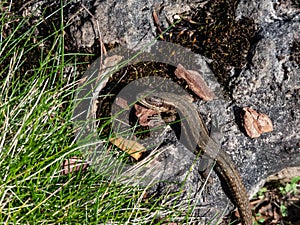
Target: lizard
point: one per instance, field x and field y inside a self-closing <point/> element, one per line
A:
<point x="195" y="137"/>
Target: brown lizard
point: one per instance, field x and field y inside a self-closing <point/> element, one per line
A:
<point x="195" y="137"/>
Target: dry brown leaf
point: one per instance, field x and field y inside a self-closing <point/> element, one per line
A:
<point x="122" y="103"/>
<point x="256" y="123"/>
<point x="74" y="164"/>
<point x="196" y="82"/>
<point x="143" y="114"/>
<point x="133" y="148"/>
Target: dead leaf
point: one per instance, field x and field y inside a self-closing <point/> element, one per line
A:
<point x="256" y="123"/>
<point x="143" y="114"/>
<point x="74" y="164"/>
<point x="196" y="82"/>
<point x="122" y="103"/>
<point x="133" y="148"/>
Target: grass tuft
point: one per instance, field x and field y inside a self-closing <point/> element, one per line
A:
<point x="37" y="135"/>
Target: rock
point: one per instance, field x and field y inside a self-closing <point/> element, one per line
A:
<point x="269" y="82"/>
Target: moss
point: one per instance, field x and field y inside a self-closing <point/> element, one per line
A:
<point x="214" y="32"/>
